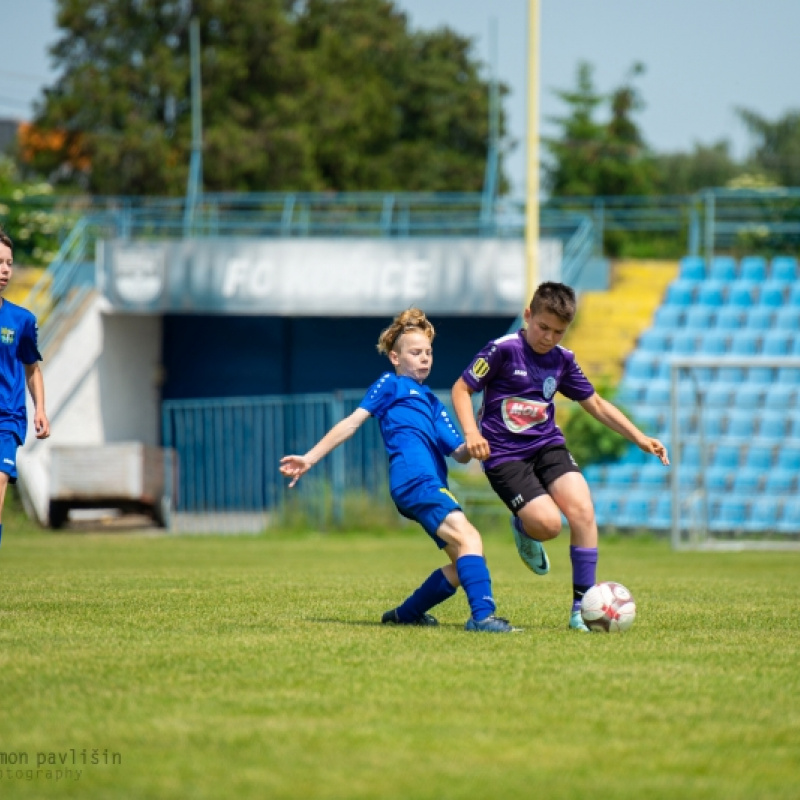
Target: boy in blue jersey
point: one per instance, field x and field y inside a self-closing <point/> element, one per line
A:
<point x="418" y="434"/>
<point x="523" y="451"/>
<point x="19" y="357"/>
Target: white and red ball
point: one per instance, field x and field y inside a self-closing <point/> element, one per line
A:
<point x="608" y="607"/>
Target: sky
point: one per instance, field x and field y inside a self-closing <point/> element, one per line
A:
<point x="703" y="59"/>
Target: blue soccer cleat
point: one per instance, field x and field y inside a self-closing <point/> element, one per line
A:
<point x="576" y="622"/>
<point x="491" y="624"/>
<point x="425" y="621"/>
<point x="530" y="551"/>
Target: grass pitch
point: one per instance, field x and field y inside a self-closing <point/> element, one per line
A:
<point x="255" y="667"/>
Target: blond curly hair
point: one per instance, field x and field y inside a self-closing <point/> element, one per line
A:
<point x="412" y="319"/>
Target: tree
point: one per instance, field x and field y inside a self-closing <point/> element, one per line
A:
<point x="777" y="148"/>
<point x="599" y="158"/>
<point x="297" y="95"/>
<point x="703" y="167"/>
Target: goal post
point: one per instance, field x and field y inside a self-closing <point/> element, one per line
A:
<point x="711" y="507"/>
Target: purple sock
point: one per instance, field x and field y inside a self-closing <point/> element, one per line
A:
<point x="584" y="572"/>
<point x="435" y="589"/>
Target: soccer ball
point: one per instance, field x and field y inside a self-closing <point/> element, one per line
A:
<point x="608" y="607"/>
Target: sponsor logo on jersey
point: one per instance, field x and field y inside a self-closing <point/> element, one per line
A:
<point x="7" y="335"/>
<point x="521" y="372"/>
<point x="519" y="413"/>
<point x="479" y="369"/>
<point x="550" y="386"/>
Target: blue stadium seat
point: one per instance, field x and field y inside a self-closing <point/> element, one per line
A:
<point x="693" y="268"/>
<point x="606" y="506"/>
<point x="727" y="455"/>
<point x="656" y="393"/>
<point x="681" y="293"/>
<point x="753" y="268"/>
<point x="621" y="476"/>
<point x="713" y="343"/>
<point x="773" y="293"/>
<point x="639" y="366"/>
<point x="743" y="294"/>
<point x="794" y="295"/>
<point x="723" y="268"/>
<point x="654" y="340"/>
<point x="742" y="423"/>
<point x="712" y="423"/>
<point x="794" y="346"/>
<point x="718" y="395"/>
<point x="794" y="425"/>
<point x="718" y="479"/>
<point x="634" y="456"/>
<point x="747" y="481"/>
<point x="759" y="456"/>
<point x="648" y="419"/>
<point x="730" y="318"/>
<point x="711" y="293"/>
<point x="763" y="515"/>
<point x="759" y="375"/>
<point x="701" y="317"/>
<point x="729" y="514"/>
<point x="772" y="424"/>
<point x="688" y="477"/>
<point x="780" y="481"/>
<point x="629" y="394"/>
<point x="780" y="396"/>
<point x="759" y="318"/>
<point x="691" y="455"/>
<point x="730" y="375"/>
<point x="789" y="457"/>
<point x="669" y="317"/>
<point x="745" y="342"/>
<point x="748" y="395"/>
<point x="653" y="475"/>
<point x="661" y="516"/>
<point x="784" y="268"/>
<point x="684" y="343"/>
<point x="788" y="376"/>
<point x="775" y="343"/>
<point x="635" y="511"/>
<point x="789" y="520"/>
<point x="787" y="318"/>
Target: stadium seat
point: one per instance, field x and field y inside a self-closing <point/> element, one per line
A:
<point x="742" y="423"/>
<point x="743" y="294"/>
<point x="729" y="514"/>
<point x="669" y="317"/>
<point x="712" y="424"/>
<point x="595" y="474"/>
<point x="681" y="293"/>
<point x="699" y="317"/>
<point x="773" y="293"/>
<point x="772" y="424"/>
<point x="759" y="318"/>
<point x="711" y="293"/>
<point x="684" y="343"/>
<point x="639" y="366"/>
<point x="654" y="340"/>
<point x="723" y="268"/>
<point x="657" y="393"/>
<point x="748" y="395"/>
<point x="730" y="375"/>
<point x="726" y="455"/>
<point x="745" y="342"/>
<point x="634" y="456"/>
<point x="759" y="457"/>
<point x="746" y="481"/>
<point x="606" y="506"/>
<point x="759" y="375"/>
<point x="713" y="343"/>
<point x="693" y="268"/>
<point x="794" y="346"/>
<point x="784" y="268"/>
<point x="780" y="396"/>
<point x="691" y="456"/>
<point x="653" y="475"/>
<point x="635" y="511"/>
<point x="789" y="457"/>
<point x="753" y="268"/>
<point x="621" y="476"/>
<point x="794" y="426"/>
<point x="629" y="394"/>
<point x="788" y="376"/>
<point x="762" y="515"/>
<point x="729" y="318"/>
<point x="717" y="479"/>
<point x="661" y="516"/>
<point x="794" y="295"/>
<point x="780" y="481"/>
<point x="718" y="395"/>
<point x="648" y="419"/>
<point x="775" y="343"/>
<point x="787" y="318"/>
<point x="789" y="520"/>
<point x="688" y="477"/>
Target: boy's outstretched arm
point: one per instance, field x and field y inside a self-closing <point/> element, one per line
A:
<point x="296" y="466"/>
<point x="613" y="418"/>
<point x="477" y="446"/>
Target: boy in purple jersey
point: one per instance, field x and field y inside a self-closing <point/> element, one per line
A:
<point x="19" y="357"/>
<point x="418" y="434"/>
<point x="523" y="451"/>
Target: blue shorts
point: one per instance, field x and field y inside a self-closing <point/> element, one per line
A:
<point x="427" y="502"/>
<point x="8" y="454"/>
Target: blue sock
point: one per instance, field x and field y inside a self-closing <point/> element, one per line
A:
<point x="435" y="590"/>
<point x="584" y="572"/>
<point x="474" y="576"/>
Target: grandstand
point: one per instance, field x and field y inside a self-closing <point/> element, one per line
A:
<point x="738" y="411"/>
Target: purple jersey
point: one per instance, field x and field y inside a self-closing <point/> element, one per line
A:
<point x="517" y="416"/>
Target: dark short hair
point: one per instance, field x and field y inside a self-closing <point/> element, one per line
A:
<point x="555" y="298"/>
<point x="6" y="240"/>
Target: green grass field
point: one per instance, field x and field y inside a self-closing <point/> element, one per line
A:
<point x="254" y="667"/>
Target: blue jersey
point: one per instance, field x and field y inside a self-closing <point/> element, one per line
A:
<point x="18" y="346"/>
<point x="416" y="428"/>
